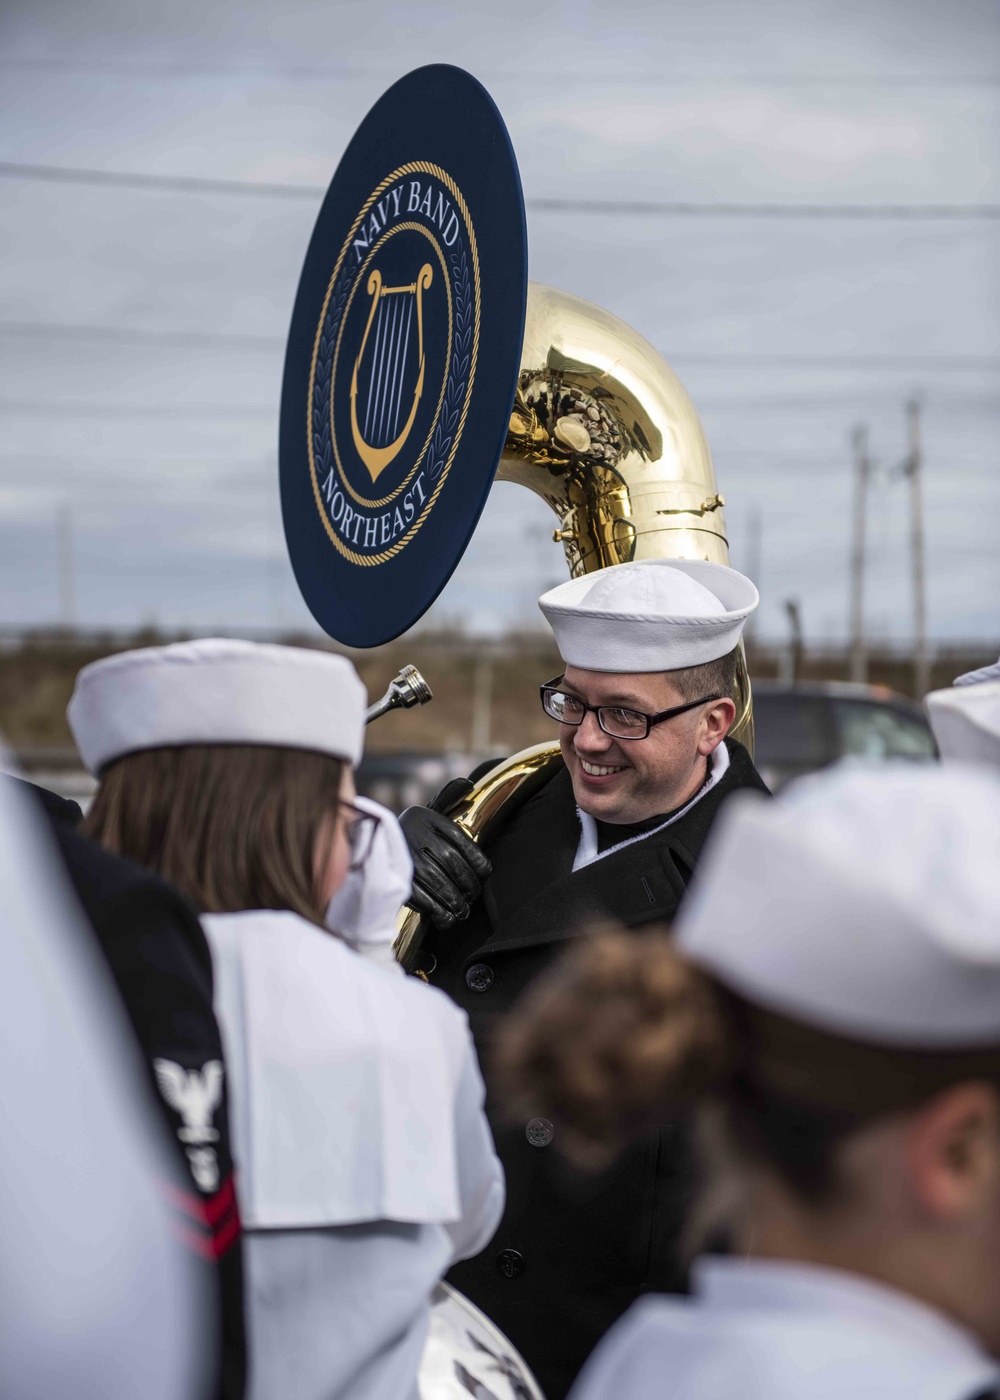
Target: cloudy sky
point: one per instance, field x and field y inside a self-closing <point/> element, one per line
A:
<point x="142" y="323"/>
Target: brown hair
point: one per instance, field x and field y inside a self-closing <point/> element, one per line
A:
<point x="618" y="1034"/>
<point x="232" y="826"/>
<point x="711" y="678"/>
<point x="624" y="1033"/>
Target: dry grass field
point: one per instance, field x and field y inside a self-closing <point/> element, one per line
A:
<point x="485" y="697"/>
<point x="37" y="675"/>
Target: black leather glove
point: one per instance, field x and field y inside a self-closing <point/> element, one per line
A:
<point x="448" y="867"/>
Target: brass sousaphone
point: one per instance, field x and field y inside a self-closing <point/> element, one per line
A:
<point x="404" y="397"/>
<point x="603" y="430"/>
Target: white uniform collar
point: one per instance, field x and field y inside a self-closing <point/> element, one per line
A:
<point x="587" y="852"/>
<point x="344" y="1078"/>
<point x="778" y="1286"/>
<point x="772" y="1330"/>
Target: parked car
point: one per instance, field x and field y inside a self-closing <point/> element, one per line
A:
<point x="800" y="728"/>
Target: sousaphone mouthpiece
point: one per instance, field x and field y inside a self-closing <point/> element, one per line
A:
<point x="405" y="690"/>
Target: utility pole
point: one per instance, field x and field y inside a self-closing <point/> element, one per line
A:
<point x="482" y="703"/>
<point x="792" y="669"/>
<point x="66" y="570"/>
<point x="862" y="474"/>
<point x="754" y="557"/>
<point x="912" y="468"/>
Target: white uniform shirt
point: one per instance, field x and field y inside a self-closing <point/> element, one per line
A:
<point x="763" y="1329"/>
<point x="365" y="1162"/>
<point x="98" y="1300"/>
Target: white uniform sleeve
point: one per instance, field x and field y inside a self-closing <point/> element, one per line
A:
<point x="480" y="1176"/>
<point x="97" y="1300"/>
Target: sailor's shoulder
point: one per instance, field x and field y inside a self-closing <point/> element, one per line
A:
<point x="763" y="1353"/>
<point x="533" y="824"/>
<point x="741" y="772"/>
<point x="732" y="1356"/>
<point x="642" y="1347"/>
<point x="299" y="954"/>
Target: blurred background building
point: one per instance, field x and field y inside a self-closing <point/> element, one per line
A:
<point x="797" y="203"/>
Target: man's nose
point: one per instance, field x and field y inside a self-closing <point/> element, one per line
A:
<point x="590" y="737"/>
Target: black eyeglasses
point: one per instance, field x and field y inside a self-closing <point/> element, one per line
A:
<point x="616" y="720"/>
<point x="360" y="828"/>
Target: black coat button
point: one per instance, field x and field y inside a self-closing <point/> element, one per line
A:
<point x="510" y="1263"/>
<point x="479" y="977"/>
<point x="539" y="1132"/>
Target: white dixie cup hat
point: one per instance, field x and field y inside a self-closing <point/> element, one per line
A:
<point x="984" y="673"/>
<point x="861" y="902"/>
<point x="649" y="615"/>
<point x="966" y="721"/>
<point x="365" y="908"/>
<point x="218" y="691"/>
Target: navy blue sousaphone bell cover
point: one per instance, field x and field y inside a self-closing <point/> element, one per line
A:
<point x="402" y="356"/>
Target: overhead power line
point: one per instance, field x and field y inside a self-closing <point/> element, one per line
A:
<point x="168" y="461"/>
<point x="567" y="74"/>
<point x="139" y="180"/>
<point x="263" y="476"/>
<point x="846" y="360"/>
<point x="141" y="335"/>
<point x="198" y="184"/>
<point x="732" y="210"/>
<point x="179" y="412"/>
<point x="193" y="339"/>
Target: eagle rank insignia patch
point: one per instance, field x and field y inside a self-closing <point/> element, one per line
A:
<point x="402" y="356"/>
<point x="195" y="1095"/>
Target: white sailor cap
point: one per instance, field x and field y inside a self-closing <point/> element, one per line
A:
<point x="862" y="902"/>
<point x="966" y="721"/>
<point x="217" y="691"/>
<point x="984" y="673"/>
<point x="649" y="615"/>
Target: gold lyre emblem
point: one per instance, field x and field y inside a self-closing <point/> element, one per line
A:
<point x="391" y="315"/>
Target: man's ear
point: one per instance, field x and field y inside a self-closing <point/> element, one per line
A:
<point x="716" y="723"/>
<point x="952" y="1149"/>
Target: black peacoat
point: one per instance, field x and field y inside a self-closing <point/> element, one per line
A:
<point x="572" y="1251"/>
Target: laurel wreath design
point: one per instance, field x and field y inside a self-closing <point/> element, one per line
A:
<point x="458" y="370"/>
<point x="322" y="443"/>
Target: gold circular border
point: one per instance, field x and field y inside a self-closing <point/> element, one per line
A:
<point x="400" y="228"/>
<point x="412" y="168"/>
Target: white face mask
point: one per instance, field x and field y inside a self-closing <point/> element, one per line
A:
<point x="364" y="910"/>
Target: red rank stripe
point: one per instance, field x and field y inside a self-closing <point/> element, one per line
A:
<point x="219" y="1215"/>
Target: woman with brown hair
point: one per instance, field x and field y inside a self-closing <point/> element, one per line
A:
<point x="365" y="1163"/>
<point x="830" y="1006"/>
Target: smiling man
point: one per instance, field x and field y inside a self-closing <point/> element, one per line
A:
<point x="612" y="780"/>
<point x="643" y="705"/>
